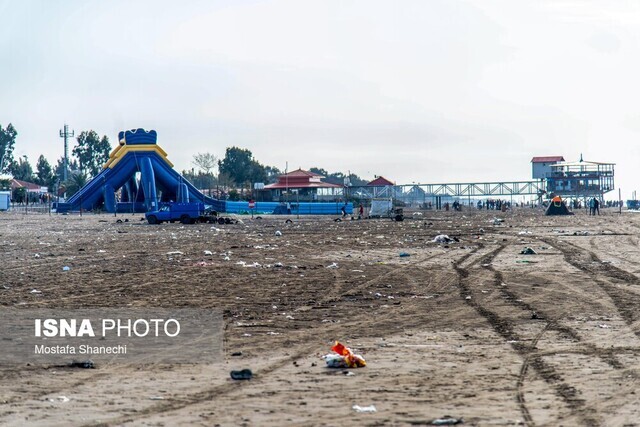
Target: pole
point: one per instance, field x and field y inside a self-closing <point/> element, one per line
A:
<point x="620" y="200"/>
<point x="64" y="133"/>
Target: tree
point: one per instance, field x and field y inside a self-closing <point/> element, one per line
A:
<point x="272" y="174"/>
<point x="206" y="162"/>
<point x="44" y="174"/>
<point x="22" y="170"/>
<point x="59" y="169"/>
<point x="91" y="152"/>
<point x="7" y="142"/>
<point x="237" y="164"/>
<point x="76" y="181"/>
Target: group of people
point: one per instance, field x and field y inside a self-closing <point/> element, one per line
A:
<point x="360" y="211"/>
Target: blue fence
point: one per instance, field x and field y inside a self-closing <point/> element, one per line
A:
<point x="319" y="208"/>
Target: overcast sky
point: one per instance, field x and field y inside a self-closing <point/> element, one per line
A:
<point x="418" y="91"/>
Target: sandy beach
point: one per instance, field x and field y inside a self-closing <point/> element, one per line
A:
<point x="471" y="329"/>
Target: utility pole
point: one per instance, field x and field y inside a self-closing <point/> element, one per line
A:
<point x="64" y="133"/>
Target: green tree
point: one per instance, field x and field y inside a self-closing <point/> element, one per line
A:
<point x="76" y="181"/>
<point x="22" y="169"/>
<point x="272" y="174"/>
<point x="237" y="165"/>
<point x="92" y="152"/>
<point x="44" y="173"/>
<point x="7" y="142"/>
<point x="59" y="169"/>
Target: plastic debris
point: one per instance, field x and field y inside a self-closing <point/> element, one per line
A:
<point x="333" y="265"/>
<point x="528" y="251"/>
<point x="359" y="408"/>
<point x="35" y="291"/>
<point x="244" y="374"/>
<point x="175" y="253"/>
<point x="61" y="399"/>
<point x="342" y="357"/>
<point x="66" y="268"/>
<point x="443" y="238"/>
<point x="156" y="398"/>
<point x="278" y="233"/>
<point x="84" y="364"/>
<point x="208" y="253"/>
<point x="404" y="254"/>
<point x="447" y="421"/>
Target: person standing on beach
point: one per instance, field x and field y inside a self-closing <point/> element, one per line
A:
<point x="596" y="206"/>
<point x="592" y="206"/>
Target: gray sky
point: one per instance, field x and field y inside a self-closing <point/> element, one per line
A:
<point x="418" y="91"/>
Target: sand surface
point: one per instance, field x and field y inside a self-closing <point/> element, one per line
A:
<point x="471" y="329"/>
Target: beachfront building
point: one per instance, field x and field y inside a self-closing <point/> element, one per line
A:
<point x="304" y="186"/>
<point x="541" y="167"/>
<point x="581" y="179"/>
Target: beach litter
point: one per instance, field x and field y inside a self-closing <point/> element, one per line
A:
<point x="343" y="357"/>
<point x="443" y="238"/>
<point x="66" y="268"/>
<point x="528" y="251"/>
<point x="244" y="374"/>
<point x="365" y="409"/>
<point x="404" y="255"/>
<point x="447" y="421"/>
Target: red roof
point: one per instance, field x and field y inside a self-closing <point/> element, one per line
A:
<point x="30" y="186"/>
<point x="300" y="179"/>
<point x="380" y="181"/>
<point x="278" y="185"/>
<point x="547" y="159"/>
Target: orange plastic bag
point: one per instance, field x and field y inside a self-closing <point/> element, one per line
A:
<point x="350" y="360"/>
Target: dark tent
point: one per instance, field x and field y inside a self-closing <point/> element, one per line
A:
<point x="557" y="207"/>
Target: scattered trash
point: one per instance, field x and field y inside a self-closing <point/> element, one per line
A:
<point x="468" y="297"/>
<point x="359" y="408"/>
<point x="581" y="233"/>
<point x="333" y="265"/>
<point x="278" y="233"/>
<point x="208" y="253"/>
<point x="156" y="398"/>
<point x="37" y="255"/>
<point x="524" y="232"/>
<point x="526" y="261"/>
<point x="288" y="221"/>
<point x="66" y="268"/>
<point x="528" y="251"/>
<point x="344" y="358"/>
<point x="84" y="364"/>
<point x="404" y="254"/>
<point x="244" y="374"/>
<point x="447" y="421"/>
<point x="603" y="326"/>
<point x="534" y="315"/>
<point x="35" y="291"/>
<point x="348" y="373"/>
<point x="61" y="399"/>
<point x="236" y="353"/>
<point x="174" y="253"/>
<point x="443" y="238"/>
